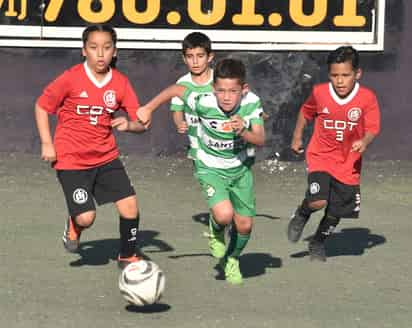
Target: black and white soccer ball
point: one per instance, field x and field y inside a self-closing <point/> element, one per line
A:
<point x="142" y="283"/>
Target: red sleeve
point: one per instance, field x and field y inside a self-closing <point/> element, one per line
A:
<point x="130" y="102"/>
<point x="309" y="107"/>
<point x="372" y="116"/>
<point x="54" y="94"/>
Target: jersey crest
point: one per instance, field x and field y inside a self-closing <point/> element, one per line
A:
<point x="109" y="98"/>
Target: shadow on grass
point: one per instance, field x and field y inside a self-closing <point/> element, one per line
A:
<point x="101" y="252"/>
<point x="253" y="265"/>
<point x="349" y="241"/>
<point x="154" y="308"/>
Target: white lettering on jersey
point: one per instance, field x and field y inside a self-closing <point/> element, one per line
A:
<point x="339" y="126"/>
<point x="93" y="111"/>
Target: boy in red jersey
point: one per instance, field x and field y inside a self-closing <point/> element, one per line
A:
<point x="84" y="151"/>
<point x="346" y="120"/>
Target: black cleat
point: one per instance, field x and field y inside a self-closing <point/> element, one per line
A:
<point x="295" y="227"/>
<point x="317" y="251"/>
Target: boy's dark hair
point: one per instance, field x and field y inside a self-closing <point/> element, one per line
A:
<point x="101" y="28"/>
<point x="230" y="68"/>
<point x="196" y="40"/>
<point x="344" y="54"/>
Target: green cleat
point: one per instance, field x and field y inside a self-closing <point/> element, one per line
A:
<point x="232" y="270"/>
<point x="217" y="245"/>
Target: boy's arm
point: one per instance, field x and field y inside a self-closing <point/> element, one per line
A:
<point x="48" y="153"/>
<point x="361" y="145"/>
<point x="372" y="126"/>
<point x="297" y="145"/>
<point x="180" y="123"/>
<point x="121" y="123"/>
<point x="144" y="113"/>
<point x="256" y="134"/>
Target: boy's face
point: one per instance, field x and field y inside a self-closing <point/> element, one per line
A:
<point x="343" y="77"/>
<point x="99" y="51"/>
<point x="197" y="60"/>
<point x="229" y="93"/>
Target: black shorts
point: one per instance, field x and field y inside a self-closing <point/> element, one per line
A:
<point x="343" y="200"/>
<point x="105" y="184"/>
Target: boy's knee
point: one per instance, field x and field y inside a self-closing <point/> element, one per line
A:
<point x="318" y="204"/>
<point x="128" y="207"/>
<point x="223" y="216"/>
<point x="85" y="219"/>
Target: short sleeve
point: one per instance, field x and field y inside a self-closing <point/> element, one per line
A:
<point x="190" y="98"/>
<point x="54" y="94"/>
<point x="176" y="105"/>
<point x="309" y="107"/>
<point x="372" y="116"/>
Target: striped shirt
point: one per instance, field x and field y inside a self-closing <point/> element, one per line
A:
<point x="178" y="105"/>
<point x="218" y="145"/>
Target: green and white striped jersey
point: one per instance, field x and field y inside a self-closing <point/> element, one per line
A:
<point x="191" y="117"/>
<point x="219" y="147"/>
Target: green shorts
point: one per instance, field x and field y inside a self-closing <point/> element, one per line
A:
<point x="239" y="191"/>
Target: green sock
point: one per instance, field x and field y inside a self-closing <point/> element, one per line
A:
<point x="237" y="243"/>
<point x="215" y="226"/>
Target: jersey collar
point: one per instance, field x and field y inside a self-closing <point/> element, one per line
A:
<point x="348" y="98"/>
<point x="99" y="84"/>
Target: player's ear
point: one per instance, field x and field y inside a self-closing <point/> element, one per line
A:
<point x="210" y="57"/>
<point x="83" y="52"/>
<point x="358" y="74"/>
<point x="245" y="89"/>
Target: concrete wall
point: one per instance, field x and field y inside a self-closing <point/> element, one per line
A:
<point x="282" y="79"/>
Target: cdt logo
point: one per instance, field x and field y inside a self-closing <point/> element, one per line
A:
<point x="109" y="98"/>
<point x="80" y="196"/>
<point x="314" y="188"/>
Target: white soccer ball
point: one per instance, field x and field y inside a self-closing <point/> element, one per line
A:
<point x="142" y="283"/>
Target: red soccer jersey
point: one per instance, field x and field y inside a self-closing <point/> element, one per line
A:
<point x="338" y="123"/>
<point x="84" y="106"/>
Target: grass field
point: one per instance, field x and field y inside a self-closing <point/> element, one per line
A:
<point x="365" y="282"/>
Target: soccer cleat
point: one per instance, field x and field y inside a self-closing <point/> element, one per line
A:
<point x="295" y="227"/>
<point x="217" y="245"/>
<point x="317" y="251"/>
<point x="123" y="262"/>
<point x="232" y="271"/>
<point x="71" y="236"/>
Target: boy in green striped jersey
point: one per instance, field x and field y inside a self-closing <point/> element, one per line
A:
<point x="197" y="55"/>
<point x="230" y="126"/>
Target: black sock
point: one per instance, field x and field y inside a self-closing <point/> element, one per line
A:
<point x="128" y="236"/>
<point x="305" y="210"/>
<point x="326" y="227"/>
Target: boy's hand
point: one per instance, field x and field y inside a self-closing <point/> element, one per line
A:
<point x="182" y="127"/>
<point x="359" y="146"/>
<point x="238" y="124"/>
<point x="120" y="123"/>
<point x="48" y="153"/>
<point x="297" y="145"/>
<point x="144" y="115"/>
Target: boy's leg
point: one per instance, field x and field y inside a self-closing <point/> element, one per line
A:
<point x="215" y="190"/>
<point x="243" y="199"/>
<point x="237" y="243"/>
<point x="344" y="202"/>
<point x="216" y="236"/>
<point x="76" y="185"/>
<point x="315" y="199"/>
<point x="128" y="229"/>
<point x="326" y="227"/>
<point x="113" y="186"/>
